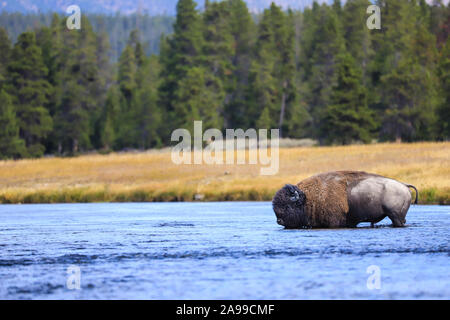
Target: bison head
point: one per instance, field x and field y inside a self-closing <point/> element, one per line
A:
<point x="288" y="205"/>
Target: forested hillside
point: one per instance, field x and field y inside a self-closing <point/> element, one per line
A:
<point x="152" y="7"/>
<point x="116" y="27"/>
<point x="318" y="73"/>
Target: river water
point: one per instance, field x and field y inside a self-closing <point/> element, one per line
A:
<point x="222" y="250"/>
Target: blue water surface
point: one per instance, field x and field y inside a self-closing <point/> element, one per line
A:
<point x="221" y="250"/>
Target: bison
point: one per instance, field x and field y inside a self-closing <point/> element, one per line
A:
<point x="342" y="199"/>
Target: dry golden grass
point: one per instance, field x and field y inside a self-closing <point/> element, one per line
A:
<point x="151" y="176"/>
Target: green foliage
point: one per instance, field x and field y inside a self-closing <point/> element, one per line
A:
<point x="28" y="86"/>
<point x="348" y="119"/>
<point x="179" y="55"/>
<point x="242" y="29"/>
<point x="195" y="102"/>
<point x="117" y="27"/>
<point x="134" y="111"/>
<point x="407" y="94"/>
<point x="264" y="121"/>
<point x="149" y="114"/>
<point x="218" y="50"/>
<point x="357" y="36"/>
<point x="323" y="41"/>
<point x="320" y="73"/>
<point x="127" y="72"/>
<point x="272" y="70"/>
<point x="11" y="146"/>
<point x="443" y="111"/>
<point x="5" y="52"/>
<point x="78" y="107"/>
<point x="110" y="115"/>
<point x="405" y="80"/>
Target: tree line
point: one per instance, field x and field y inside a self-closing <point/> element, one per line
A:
<point x="117" y="27"/>
<point x="318" y="73"/>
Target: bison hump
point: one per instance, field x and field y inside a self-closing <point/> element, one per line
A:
<point x="326" y="199"/>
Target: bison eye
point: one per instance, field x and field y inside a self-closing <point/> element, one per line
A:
<point x="295" y="197"/>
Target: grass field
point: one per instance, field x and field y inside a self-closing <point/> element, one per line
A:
<point x="151" y="176"/>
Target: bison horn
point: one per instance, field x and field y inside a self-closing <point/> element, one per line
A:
<point x="294" y="193"/>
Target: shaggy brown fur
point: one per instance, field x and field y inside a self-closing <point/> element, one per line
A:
<point x="326" y="194"/>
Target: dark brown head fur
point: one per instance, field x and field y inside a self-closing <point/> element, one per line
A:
<point x="288" y="205"/>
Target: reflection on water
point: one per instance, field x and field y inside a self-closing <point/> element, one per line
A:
<point x="215" y="251"/>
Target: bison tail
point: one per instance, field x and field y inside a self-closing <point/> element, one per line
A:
<point x="417" y="192"/>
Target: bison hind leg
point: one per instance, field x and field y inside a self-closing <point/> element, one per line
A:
<point x="396" y="222"/>
<point x="397" y="217"/>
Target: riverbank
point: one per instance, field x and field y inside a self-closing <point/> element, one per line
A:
<point x="151" y="176"/>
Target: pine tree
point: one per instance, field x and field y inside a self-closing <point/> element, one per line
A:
<point x="110" y="115"/>
<point x="104" y="81"/>
<point x="299" y="120"/>
<point x="347" y="119"/>
<point x="439" y="17"/>
<point x="5" y="52"/>
<point x="11" y="146"/>
<point x="322" y="43"/>
<point x="108" y="133"/>
<point x="138" y="80"/>
<point x="272" y="71"/>
<point x="218" y="51"/>
<point x="337" y="6"/>
<point x="286" y="76"/>
<point x="149" y="113"/>
<point x="81" y="99"/>
<point x="443" y="112"/>
<point x="264" y="121"/>
<point x="406" y="83"/>
<point x="29" y="89"/>
<point x="242" y="28"/>
<point x="126" y="129"/>
<point x="135" y="43"/>
<point x="262" y="91"/>
<point x="50" y="47"/>
<point x="5" y="47"/>
<point x="356" y="34"/>
<point x="180" y="53"/>
<point x="423" y="43"/>
<point x="408" y="115"/>
<point x="50" y="41"/>
<point x="127" y="73"/>
<point x="196" y="102"/>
